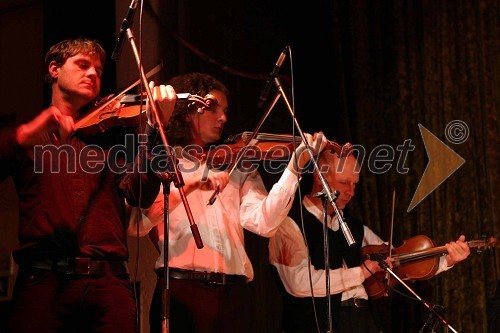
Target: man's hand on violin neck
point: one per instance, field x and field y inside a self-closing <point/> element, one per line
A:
<point x="165" y="98"/>
<point x="457" y="251"/>
<point x="50" y="126"/>
<point x="302" y="156"/>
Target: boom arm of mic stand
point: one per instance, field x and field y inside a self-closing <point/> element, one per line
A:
<point x="178" y="177"/>
<point x="328" y="192"/>
<point x="385" y="266"/>
<point x="213" y="197"/>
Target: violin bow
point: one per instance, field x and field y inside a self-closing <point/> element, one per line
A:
<point x="392" y="221"/>
<point x="388" y="276"/>
<point x="152" y="72"/>
<point x="250" y="141"/>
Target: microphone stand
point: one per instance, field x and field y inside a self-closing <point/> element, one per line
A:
<point x="326" y="188"/>
<point x="385" y="266"/>
<point x="324" y="201"/>
<point x="175" y="176"/>
<point x="431" y="321"/>
<point x="165" y="322"/>
<point x="213" y="197"/>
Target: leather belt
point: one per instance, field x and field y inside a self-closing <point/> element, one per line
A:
<point x="82" y="266"/>
<point x="208" y="277"/>
<point x="357" y="302"/>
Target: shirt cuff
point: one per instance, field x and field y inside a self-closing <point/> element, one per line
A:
<point x="289" y="182"/>
<point x="443" y="265"/>
<point x="353" y="277"/>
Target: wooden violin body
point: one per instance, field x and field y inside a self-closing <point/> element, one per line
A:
<point x="128" y="111"/>
<point x="265" y="146"/>
<point x="408" y="265"/>
<point x="247" y="148"/>
<point x="109" y="115"/>
<point x="237" y="147"/>
<point x="416" y="259"/>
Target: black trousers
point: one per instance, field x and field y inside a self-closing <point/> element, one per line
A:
<point x="493" y="311"/>
<point x="46" y="301"/>
<point x="200" y="307"/>
<point x="349" y="319"/>
<point x="355" y="320"/>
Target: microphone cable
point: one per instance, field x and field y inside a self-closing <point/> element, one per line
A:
<point x="300" y="196"/>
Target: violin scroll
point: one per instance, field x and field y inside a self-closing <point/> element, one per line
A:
<point x="341" y="150"/>
<point x="209" y="102"/>
<point x="484" y="244"/>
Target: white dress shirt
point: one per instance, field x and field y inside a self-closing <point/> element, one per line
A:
<point x="243" y="204"/>
<point x="288" y="253"/>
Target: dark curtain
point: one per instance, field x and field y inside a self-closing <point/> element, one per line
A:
<point x="429" y="63"/>
<point x="379" y="69"/>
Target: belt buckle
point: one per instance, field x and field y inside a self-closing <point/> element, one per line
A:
<point x="218" y="278"/>
<point x="78" y="266"/>
<point x="197" y="276"/>
<point x="356" y="304"/>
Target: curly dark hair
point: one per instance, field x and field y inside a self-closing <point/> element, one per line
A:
<point x="178" y="132"/>
<point x="65" y="49"/>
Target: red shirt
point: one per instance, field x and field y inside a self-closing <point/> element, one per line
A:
<point x="77" y="209"/>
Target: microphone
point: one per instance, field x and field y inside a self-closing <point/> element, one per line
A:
<point x="126" y="23"/>
<point x="272" y="75"/>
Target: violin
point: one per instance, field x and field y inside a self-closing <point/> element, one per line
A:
<point x="264" y="147"/>
<point x="128" y="111"/>
<point x="416" y="259"/>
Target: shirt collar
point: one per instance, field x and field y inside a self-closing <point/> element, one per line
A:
<point x="317" y="212"/>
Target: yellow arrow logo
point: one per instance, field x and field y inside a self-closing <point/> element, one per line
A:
<point x="443" y="162"/>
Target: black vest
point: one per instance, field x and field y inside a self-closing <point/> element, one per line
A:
<point x="298" y="313"/>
